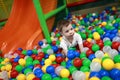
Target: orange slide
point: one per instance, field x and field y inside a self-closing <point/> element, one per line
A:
<point x="23" y="28"/>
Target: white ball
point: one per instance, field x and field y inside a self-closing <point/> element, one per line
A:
<point x="95" y="66"/>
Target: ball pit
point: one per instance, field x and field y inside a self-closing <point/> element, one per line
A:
<point x="100" y="59"/>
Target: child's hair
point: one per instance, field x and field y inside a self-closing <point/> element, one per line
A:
<point x="62" y="23"/>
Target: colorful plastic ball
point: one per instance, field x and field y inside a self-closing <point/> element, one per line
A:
<point x="46" y="77"/>
<point x="114" y="73"/>
<point x="59" y="59"/>
<point x="40" y="43"/>
<point x="29" y="52"/>
<point x="78" y="75"/>
<point x="117" y="66"/>
<point x="91" y="56"/>
<point x="48" y="62"/>
<point x="50" y="69"/>
<point x="6" y="60"/>
<point x="13" y="74"/>
<point x="56" y="78"/>
<point x="103" y="73"/>
<point x="99" y="54"/>
<point x="64" y="73"/>
<point x="70" y="54"/>
<point x="117" y="59"/>
<point x="95" y="74"/>
<point x="77" y="62"/>
<point x="52" y="57"/>
<point x="84" y="69"/>
<point x="96" y="36"/>
<point x="27" y="70"/>
<point x="29" y="59"/>
<point x="21" y="77"/>
<point x="36" y="78"/>
<point x="72" y="69"/>
<point x="86" y="62"/>
<point x="22" y="62"/>
<point x="19" y="68"/>
<point x="39" y="58"/>
<point x="41" y="54"/>
<point x="87" y="75"/>
<point x="95" y="47"/>
<point x="106" y="78"/>
<point x="58" y="69"/>
<point x="95" y="66"/>
<point x="115" y="45"/>
<point x="107" y="43"/>
<point x="8" y="67"/>
<point x="54" y="75"/>
<point x="30" y="76"/>
<point x="55" y="48"/>
<point x="44" y="68"/>
<point x="89" y="52"/>
<point x="108" y="64"/>
<point x="94" y="78"/>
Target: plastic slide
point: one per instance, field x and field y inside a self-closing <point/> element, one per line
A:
<point x="23" y="28"/>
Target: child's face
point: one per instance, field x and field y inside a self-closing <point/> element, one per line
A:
<point x="68" y="31"/>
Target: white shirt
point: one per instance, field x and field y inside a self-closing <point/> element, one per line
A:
<point x="65" y="44"/>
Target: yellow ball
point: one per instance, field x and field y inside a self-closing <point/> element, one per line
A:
<point x="77" y="24"/>
<point x="106" y="55"/>
<point x="22" y="62"/>
<point x="113" y="21"/>
<point x="117" y="65"/>
<point x="94" y="78"/>
<point x="89" y="39"/>
<point x="44" y="68"/>
<point x="64" y="73"/>
<point x="30" y="76"/>
<point x="60" y="38"/>
<point x="48" y="62"/>
<point x="104" y="23"/>
<point x="3" y="68"/>
<point x="6" y="60"/>
<point x="8" y="67"/>
<point x="2" y="62"/>
<point x="52" y="57"/>
<point x="113" y="8"/>
<point x="96" y="36"/>
<point x="52" y="38"/>
<point x="21" y="77"/>
<point x="108" y="64"/>
<point x="96" y="60"/>
<point x="118" y="31"/>
<point x="76" y="29"/>
<point x="87" y="75"/>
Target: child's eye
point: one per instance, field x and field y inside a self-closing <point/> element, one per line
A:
<point x="66" y="31"/>
<point x="71" y="28"/>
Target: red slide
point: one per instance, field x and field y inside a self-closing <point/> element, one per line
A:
<point x="23" y="28"/>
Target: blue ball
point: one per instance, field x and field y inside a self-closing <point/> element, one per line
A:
<point x="46" y="56"/>
<point x="50" y="69"/>
<point x="59" y="54"/>
<point x="20" y="49"/>
<point x="77" y="54"/>
<point x="16" y="59"/>
<point x="55" y="48"/>
<point x="91" y="56"/>
<point x="92" y="74"/>
<point x="104" y="73"/>
<point x="116" y="25"/>
<point x="39" y="75"/>
<point x="30" y="66"/>
<point x="115" y="73"/>
<point x="53" y="75"/>
<point x="42" y="62"/>
<point x="70" y="54"/>
<point x="29" y="52"/>
<point x="37" y="71"/>
<point x="40" y="43"/>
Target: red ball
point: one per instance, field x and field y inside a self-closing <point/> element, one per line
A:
<point x="41" y="54"/>
<point x="13" y="74"/>
<point x="33" y="56"/>
<point x="90" y="45"/>
<point x="70" y="77"/>
<point x="12" y="60"/>
<point x="85" y="43"/>
<point x="36" y="78"/>
<point x="77" y="62"/>
<point x="89" y="52"/>
<point x="101" y="45"/>
<point x="55" y="65"/>
<point x="59" y="59"/>
<point x="14" y="64"/>
<point x="38" y="65"/>
<point x="38" y="58"/>
<point x="115" y="45"/>
<point x="54" y="43"/>
<point x="22" y="55"/>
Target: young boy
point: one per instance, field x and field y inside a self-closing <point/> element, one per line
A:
<point x="69" y="37"/>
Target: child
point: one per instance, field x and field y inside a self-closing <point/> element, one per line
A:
<point x="69" y="37"/>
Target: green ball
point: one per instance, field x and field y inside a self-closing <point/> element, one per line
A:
<point x="29" y="59"/>
<point x="56" y="78"/>
<point x="82" y="55"/>
<point x="84" y="69"/>
<point x="63" y="63"/>
<point x="105" y="58"/>
<point x="117" y="59"/>
<point x="35" y="51"/>
<point x="107" y="43"/>
<point x="24" y="52"/>
<point x="36" y="62"/>
<point x="27" y="70"/>
<point x="18" y="68"/>
<point x="58" y="35"/>
<point x="65" y="79"/>
<point x="83" y="35"/>
<point x="95" y="47"/>
<point x="29" y="63"/>
<point x="106" y="78"/>
<point x="46" y="77"/>
<point x="57" y="42"/>
<point x="86" y="62"/>
<point x="90" y="36"/>
<point x="72" y="69"/>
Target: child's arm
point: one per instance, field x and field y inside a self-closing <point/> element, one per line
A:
<point x="81" y="47"/>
